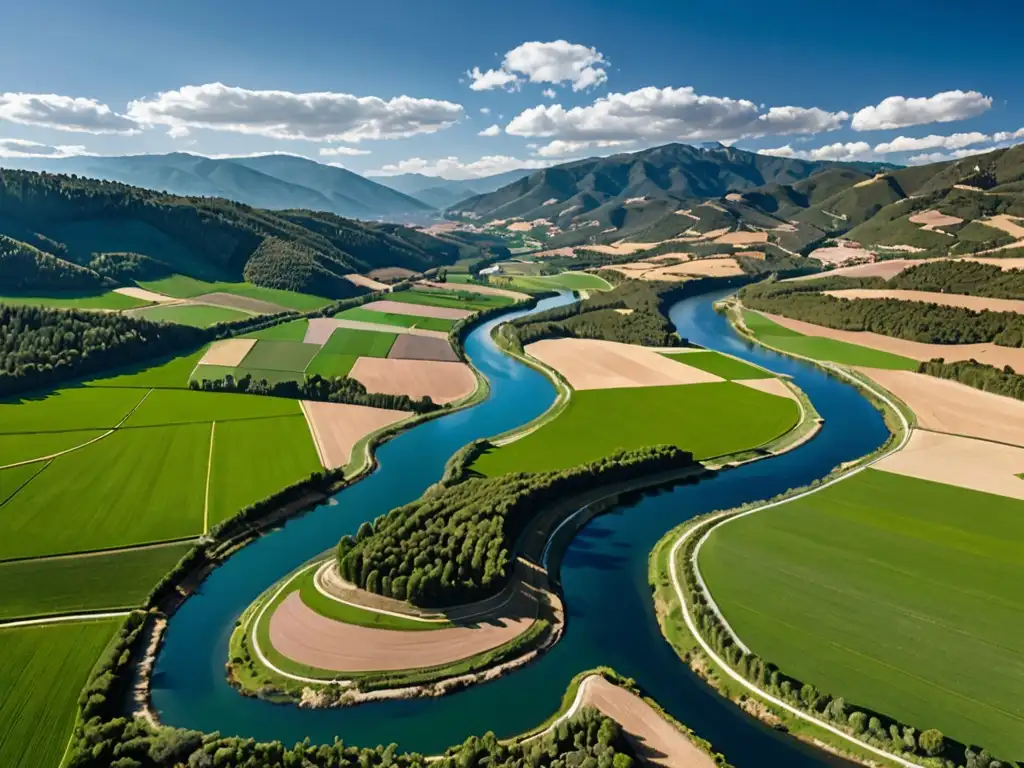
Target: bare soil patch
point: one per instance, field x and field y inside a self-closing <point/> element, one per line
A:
<point x="621" y="249"/>
<point x="932" y="219"/>
<point x="409" y="347"/>
<point x="949" y="406"/>
<point x="229" y="352"/>
<point x="321" y="328"/>
<point x="143" y="295"/>
<point x="1011" y="225"/>
<point x="742" y="238"/>
<point x="960" y="461"/>
<point x="442" y="382"/>
<point x="725" y="267"/>
<point x="769" y="387"/>
<point x="990" y="354"/>
<point x="337" y="427"/>
<point x="839" y="254"/>
<point x="417" y="310"/>
<point x="519" y="226"/>
<point x="1003" y="264"/>
<point x="883" y="269"/>
<point x="567" y="251"/>
<point x="367" y="282"/>
<point x="679" y="256"/>
<point x="974" y="303"/>
<point x="866" y="182"/>
<point x="656" y="740"/>
<point x="390" y="274"/>
<point x="243" y="303"/>
<point x="597" y="364"/>
<point x="485" y="290"/>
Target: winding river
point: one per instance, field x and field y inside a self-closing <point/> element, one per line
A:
<point x="603" y="573"/>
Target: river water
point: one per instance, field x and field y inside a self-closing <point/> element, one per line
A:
<point x="603" y="574"/>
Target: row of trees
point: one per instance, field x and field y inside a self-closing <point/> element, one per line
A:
<point x="915" y="321"/>
<point x="1000" y="381"/>
<point x="454" y="545"/>
<point x="340" y="389"/>
<point x="872" y="727"/>
<point x="963" y="277"/>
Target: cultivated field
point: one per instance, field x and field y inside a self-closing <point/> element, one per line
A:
<point x="230" y="352"/>
<point x="362" y="315"/>
<point x="182" y="287"/>
<point x="884" y="590"/>
<point x="280" y="355"/>
<point x="367" y="282"/>
<point x="345" y="346"/>
<point x="417" y="310"/>
<point x="409" y="347"/>
<point x="566" y="281"/>
<point x="471" y="287"/>
<point x="838" y="255"/>
<point x="442" y="382"/>
<point x="883" y="269"/>
<point x="198" y="315"/>
<point x="338" y="427"/>
<point x="110" y="300"/>
<point x="706" y="419"/>
<point x="42" y="671"/>
<point x="459" y="299"/>
<point x="291" y="331"/>
<point x="717" y="364"/>
<point x="973" y="303"/>
<point x="321" y="328"/>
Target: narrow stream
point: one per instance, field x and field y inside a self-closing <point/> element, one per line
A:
<point x="603" y="573"/>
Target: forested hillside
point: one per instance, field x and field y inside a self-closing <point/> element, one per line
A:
<point x="26" y="268"/>
<point x="80" y="220"/>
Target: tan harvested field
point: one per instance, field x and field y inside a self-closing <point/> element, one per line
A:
<point x="883" y="269"/>
<point x="229" y="352"/>
<point x="932" y="219"/>
<point x="975" y="303"/>
<point x="417" y="310"/>
<point x="991" y="354"/>
<point x="1003" y="264"/>
<point x="742" y="238"/>
<point x="337" y="427"/>
<point x="866" y="182"/>
<point x="712" y="204"/>
<point x="143" y="295"/>
<point x="656" y="740"/>
<point x="961" y="461"/>
<point x="621" y="249"/>
<point x="390" y="274"/>
<point x="948" y="406"/>
<point x="567" y="251"/>
<point x="442" y="382"/>
<point x="321" y="328"/>
<point x="409" y="347"/>
<point x="1011" y="225"/>
<point x="769" y="387"/>
<point x="485" y="290"/>
<point x="688" y="212"/>
<point x="597" y="364"/>
<point x="309" y="638"/>
<point x="713" y="267"/>
<point x="839" y="254"/>
<point x="734" y="197"/>
<point x="367" y="282"/>
<point x="786" y="227"/>
<point x="519" y="226"/>
<point x="750" y="255"/>
<point x="244" y="303"/>
<point x="679" y="256"/>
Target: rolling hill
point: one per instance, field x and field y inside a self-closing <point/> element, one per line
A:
<point x="443" y="193"/>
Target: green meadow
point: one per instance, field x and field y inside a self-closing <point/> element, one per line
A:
<point x="345" y="346"/>
<point x="389" y="318"/>
<point x="294" y="330"/>
<point x="901" y="595"/>
<point x="182" y="287"/>
<point x="728" y="368"/>
<point x="197" y="315"/>
<point x="706" y="419"/>
<point x="820" y="348"/>
<point x="107" y="300"/>
<point x="565" y="281"/>
<point x="472" y="302"/>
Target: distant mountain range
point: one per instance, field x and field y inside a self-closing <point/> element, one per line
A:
<point x="276" y="182"/>
<point x="443" y="193"/>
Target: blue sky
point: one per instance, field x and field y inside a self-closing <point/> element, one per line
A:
<point x="899" y="81"/>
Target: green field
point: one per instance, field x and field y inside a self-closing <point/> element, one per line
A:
<point x="70" y="409"/>
<point x="108" y="300"/>
<point x="473" y="302"/>
<point x="110" y="581"/>
<point x="21" y="447"/>
<point x="197" y="315"/>
<point x="294" y="330"/>
<point x="565" y="281"/>
<point x="705" y="419"/>
<point x="271" y="355"/>
<point x="14" y="479"/>
<point x="182" y="287"/>
<point x="345" y="346"/>
<point x="254" y="458"/>
<point x="901" y="595"/>
<point x="820" y="348"/>
<point x="214" y="372"/>
<point x="182" y="406"/>
<point x="165" y="373"/>
<point x="42" y="671"/>
<point x="721" y="365"/>
<point x="388" y="318"/>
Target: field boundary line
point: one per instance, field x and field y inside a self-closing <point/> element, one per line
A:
<point x="727" y="517"/>
<point x="100" y="552"/>
<point x="314" y="433"/>
<point x="335" y="598"/>
<point x="62" y="618"/>
<point x="209" y="474"/>
<point x="109" y="432"/>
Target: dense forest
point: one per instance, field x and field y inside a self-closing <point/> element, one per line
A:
<point x="454" y="545"/>
<point x="969" y="278"/>
<point x="40" y="347"/>
<point x="914" y="321"/>
<point x="337" y="390"/>
<point x="24" y="268"/>
<point x="999" y="381"/>
<point x="126" y="268"/>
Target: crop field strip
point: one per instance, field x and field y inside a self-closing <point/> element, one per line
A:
<point x="183" y="287"/>
<point x="880" y="589"/>
<point x="108" y="300"/>
<point x="42" y="670"/>
<point x="729" y="368"/>
<point x="706" y="419"/>
<point x="474" y="302"/>
<point x="387" y="318"/>
<point x="337" y="356"/>
<point x="198" y="315"/>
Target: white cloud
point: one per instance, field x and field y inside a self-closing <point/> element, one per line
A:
<point x="556" y="62"/>
<point x="902" y="112"/>
<point x="955" y="141"/>
<point x="668" y="114"/>
<point x="63" y="113"/>
<point x="286" y="115"/>
<point x="549" y="93"/>
<point x="494" y="130"/>
<point x="23" y="148"/>
<point x="784" y="151"/>
<point x="560" y="148"/>
<point x="453" y="168"/>
<point x="342" y="150"/>
<point x="1008" y="135"/>
<point x="485" y="110"/>
<point x="840" y="152"/>
<point x="940" y="157"/>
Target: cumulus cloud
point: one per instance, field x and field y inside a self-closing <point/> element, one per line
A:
<point x="560" y="148"/>
<point x="23" y="148"/>
<point x="453" y="168"/>
<point x="1008" y="135"/>
<point x="902" y="112"/>
<point x="549" y="93"/>
<point x="63" y="113"/>
<point x="556" y="62"/>
<point x="286" y="115"/>
<point x="494" y="130"/>
<point x="839" y="151"/>
<point x="485" y="110"/>
<point x="668" y="114"/>
<point x="341" y="150"/>
<point x="939" y="157"/>
<point x="955" y="141"/>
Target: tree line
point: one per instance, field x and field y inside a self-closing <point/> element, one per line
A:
<point x="970" y="278"/>
<point x="999" y="381"/>
<point x="453" y="545"/>
<point x="24" y="268"/>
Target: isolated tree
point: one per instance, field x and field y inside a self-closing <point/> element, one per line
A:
<point x="932" y="742"/>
